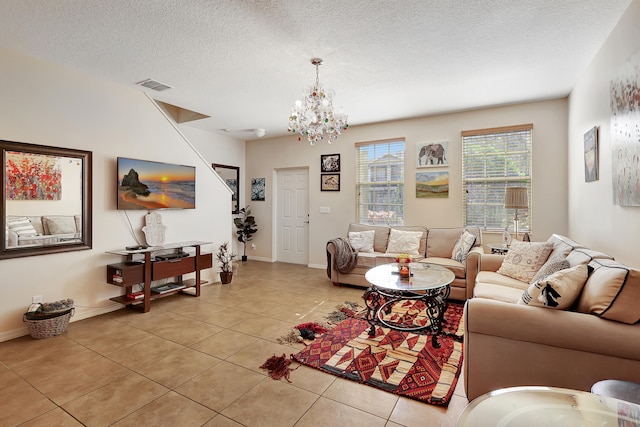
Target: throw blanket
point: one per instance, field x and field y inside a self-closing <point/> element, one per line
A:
<point x="346" y="256"/>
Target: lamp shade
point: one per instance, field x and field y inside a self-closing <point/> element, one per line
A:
<point x="516" y="198"/>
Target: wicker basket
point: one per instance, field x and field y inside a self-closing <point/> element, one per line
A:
<point x="47" y="325"/>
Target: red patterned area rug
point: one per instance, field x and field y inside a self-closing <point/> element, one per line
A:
<point x="403" y="363"/>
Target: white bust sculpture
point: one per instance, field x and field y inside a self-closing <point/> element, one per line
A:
<point x="154" y="229"/>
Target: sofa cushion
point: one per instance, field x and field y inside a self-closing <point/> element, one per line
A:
<point x="558" y="290"/>
<point x="562" y="245"/>
<point x="612" y="292"/>
<point x="463" y="245"/>
<point x="381" y="237"/>
<point x="500" y="280"/>
<point x="59" y="224"/>
<point x="440" y="241"/>
<point x="524" y="259"/>
<point x="497" y="292"/>
<point x="407" y="242"/>
<point x="585" y="256"/>
<point x="423" y="238"/>
<point x="362" y="241"/>
<point x="553" y="264"/>
<point x="21" y="226"/>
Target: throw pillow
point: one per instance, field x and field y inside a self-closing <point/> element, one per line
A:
<point x="362" y="241"/>
<point x="463" y="246"/>
<point x="554" y="263"/>
<point x="524" y="259"/>
<point x="60" y="224"/>
<point x="404" y="242"/>
<point x="559" y="290"/>
<point x="22" y="227"/>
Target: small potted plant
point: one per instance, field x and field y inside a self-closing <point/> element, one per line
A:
<point x="225" y="257"/>
<point x="246" y="227"/>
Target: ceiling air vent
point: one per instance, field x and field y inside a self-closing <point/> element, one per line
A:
<point x="154" y="84"/>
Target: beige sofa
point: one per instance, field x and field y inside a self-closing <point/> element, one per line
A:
<point x="511" y="344"/>
<point x="436" y="246"/>
<point x="42" y="230"/>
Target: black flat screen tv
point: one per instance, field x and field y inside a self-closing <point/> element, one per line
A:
<point x="148" y="185"/>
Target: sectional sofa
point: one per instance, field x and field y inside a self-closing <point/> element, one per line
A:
<point x="576" y="327"/>
<point x="433" y="245"/>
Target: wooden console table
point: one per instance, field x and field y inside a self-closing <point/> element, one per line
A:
<point x="142" y="267"/>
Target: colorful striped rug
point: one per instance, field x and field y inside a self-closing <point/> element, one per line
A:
<point x="403" y="363"/>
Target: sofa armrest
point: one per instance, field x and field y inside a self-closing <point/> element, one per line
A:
<point x="471" y="268"/>
<point x="509" y="344"/>
<point x="490" y="262"/>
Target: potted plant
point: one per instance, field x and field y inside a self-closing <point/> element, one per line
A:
<point x="246" y="227"/>
<point x="225" y="257"/>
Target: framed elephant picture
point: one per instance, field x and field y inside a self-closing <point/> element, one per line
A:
<point x="432" y="154"/>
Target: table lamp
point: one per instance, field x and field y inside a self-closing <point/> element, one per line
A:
<point x="516" y="198"/>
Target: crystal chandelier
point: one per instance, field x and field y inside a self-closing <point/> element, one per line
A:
<point x="314" y="117"/>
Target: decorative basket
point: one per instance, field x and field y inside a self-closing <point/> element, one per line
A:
<point x="48" y="324"/>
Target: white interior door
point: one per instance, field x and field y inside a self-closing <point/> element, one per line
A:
<point x="292" y="239"/>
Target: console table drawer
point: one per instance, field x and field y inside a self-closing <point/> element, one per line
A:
<point x="172" y="268"/>
<point x="125" y="274"/>
<point x="205" y="261"/>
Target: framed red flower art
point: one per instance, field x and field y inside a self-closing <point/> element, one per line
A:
<point x="33" y="176"/>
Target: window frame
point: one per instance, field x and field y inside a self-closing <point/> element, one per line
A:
<point x="492" y="182"/>
<point x="366" y="178"/>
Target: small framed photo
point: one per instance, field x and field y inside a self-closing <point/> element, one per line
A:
<point x="257" y="189"/>
<point x="330" y="163"/>
<point x="330" y="182"/>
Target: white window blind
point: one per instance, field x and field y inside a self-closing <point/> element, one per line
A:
<point x="380" y="182"/>
<point x="494" y="159"/>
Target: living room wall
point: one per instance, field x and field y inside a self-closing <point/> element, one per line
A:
<point x="549" y="118"/>
<point x="49" y="105"/>
<point x="594" y="220"/>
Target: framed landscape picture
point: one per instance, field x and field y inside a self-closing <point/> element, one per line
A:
<point x="330" y="163"/>
<point x="330" y="182"/>
<point x="432" y="184"/>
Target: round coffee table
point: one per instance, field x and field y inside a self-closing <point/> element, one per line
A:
<point x="535" y="406"/>
<point x="428" y="283"/>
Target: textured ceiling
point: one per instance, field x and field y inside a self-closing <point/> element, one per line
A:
<point x="245" y="62"/>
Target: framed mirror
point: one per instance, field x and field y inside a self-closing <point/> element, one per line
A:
<point x="231" y="175"/>
<point x="46" y="200"/>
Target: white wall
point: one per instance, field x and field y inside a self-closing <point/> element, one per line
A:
<point x="223" y="150"/>
<point x="595" y="220"/>
<point x="549" y="119"/>
<point x="49" y="105"/>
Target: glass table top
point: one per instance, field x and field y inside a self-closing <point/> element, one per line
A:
<point x="424" y="277"/>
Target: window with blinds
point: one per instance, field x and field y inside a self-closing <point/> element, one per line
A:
<point x="493" y="159"/>
<point x="380" y="182"/>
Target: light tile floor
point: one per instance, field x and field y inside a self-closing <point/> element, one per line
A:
<point x="195" y="362"/>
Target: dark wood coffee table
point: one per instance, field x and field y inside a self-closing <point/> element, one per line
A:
<point x="428" y="283"/>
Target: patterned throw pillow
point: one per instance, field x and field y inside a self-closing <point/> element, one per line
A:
<point x="554" y="263"/>
<point x="559" y="290"/>
<point x="362" y="241"/>
<point x="463" y="246"/>
<point x="22" y="227"/>
<point x="404" y="242"/>
<point x="524" y="259"/>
